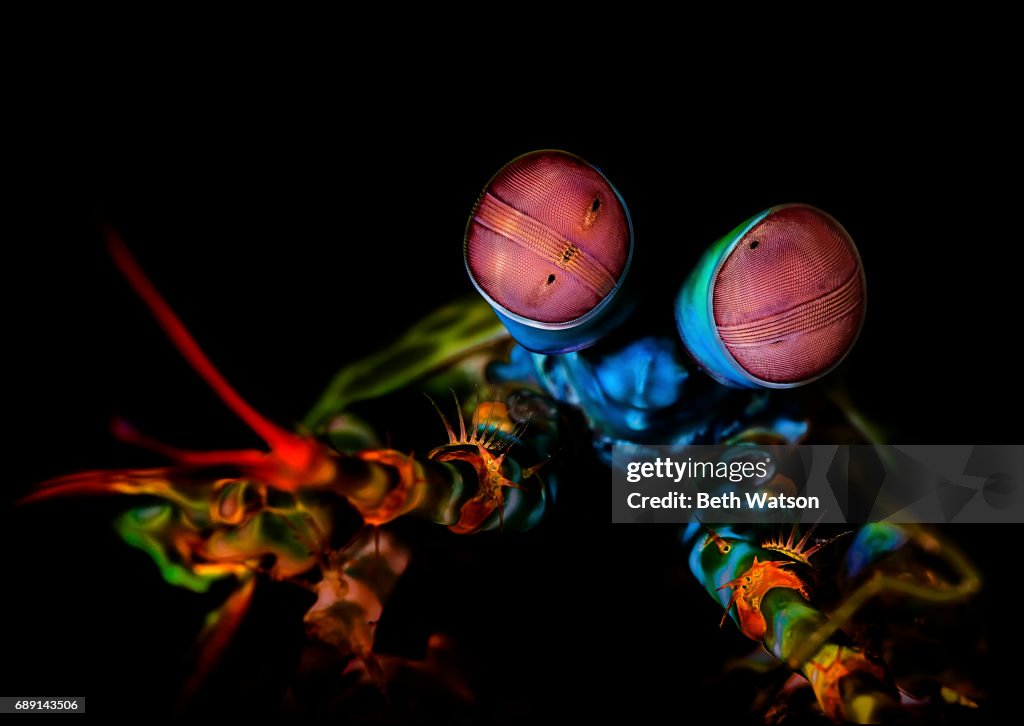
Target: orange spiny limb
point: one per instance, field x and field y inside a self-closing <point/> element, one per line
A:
<point x="296" y="460"/>
<point x="471" y="448"/>
<point x="796" y="551"/>
<point x="479" y="432"/>
<point x="749" y="588"/>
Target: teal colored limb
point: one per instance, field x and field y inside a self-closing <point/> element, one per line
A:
<point x="794" y="631"/>
<point x="439" y="339"/>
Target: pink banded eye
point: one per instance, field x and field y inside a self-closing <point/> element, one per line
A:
<point x="788" y="302"/>
<point x="549" y="238"/>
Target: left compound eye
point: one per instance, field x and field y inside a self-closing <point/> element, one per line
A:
<point x="777" y="302"/>
<point x="548" y="244"/>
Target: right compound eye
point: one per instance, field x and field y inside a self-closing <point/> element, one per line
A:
<point x="777" y="302"/>
<point x="548" y="244"/>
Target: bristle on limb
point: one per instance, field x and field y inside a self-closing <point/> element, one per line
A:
<point x="796" y="551"/>
<point x="480" y="433"/>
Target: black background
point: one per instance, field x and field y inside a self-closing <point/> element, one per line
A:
<point x="290" y="248"/>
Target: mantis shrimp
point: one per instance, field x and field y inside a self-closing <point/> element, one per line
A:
<point x="549" y="246"/>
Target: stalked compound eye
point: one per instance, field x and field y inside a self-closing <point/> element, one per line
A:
<point x="548" y="245"/>
<point x="777" y="302"/>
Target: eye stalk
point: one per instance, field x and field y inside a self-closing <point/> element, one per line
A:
<point x="548" y="245"/>
<point x="776" y="303"/>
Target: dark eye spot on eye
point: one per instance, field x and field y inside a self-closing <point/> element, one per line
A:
<point x="591" y="215"/>
<point x="754" y="244"/>
<point x="551" y="278"/>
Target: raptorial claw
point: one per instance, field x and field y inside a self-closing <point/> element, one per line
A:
<point x="749" y="588"/>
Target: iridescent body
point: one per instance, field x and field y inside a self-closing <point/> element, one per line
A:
<point x="273" y="513"/>
<point x="273" y="510"/>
